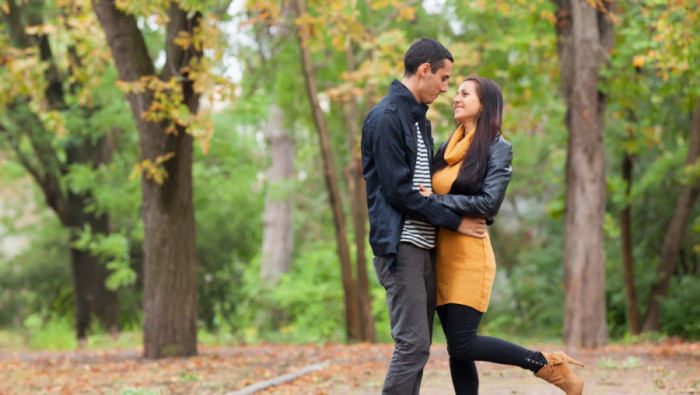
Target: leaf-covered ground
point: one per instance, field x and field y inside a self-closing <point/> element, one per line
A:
<point x="671" y="367"/>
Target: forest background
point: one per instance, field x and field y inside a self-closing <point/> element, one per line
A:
<point x="148" y="188"/>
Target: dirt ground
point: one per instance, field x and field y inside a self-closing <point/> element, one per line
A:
<point x="672" y="367"/>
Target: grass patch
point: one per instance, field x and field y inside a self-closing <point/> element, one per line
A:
<point x="55" y="334"/>
<point x="10" y="341"/>
<point x="58" y="334"/>
<point x="143" y="391"/>
<point x="219" y="338"/>
<point x="627" y="363"/>
<point x="102" y="341"/>
<point x="642" y="338"/>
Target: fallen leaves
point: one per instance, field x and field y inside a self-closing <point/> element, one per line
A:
<point x="352" y="369"/>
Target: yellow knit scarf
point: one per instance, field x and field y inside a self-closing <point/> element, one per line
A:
<point x="457" y="147"/>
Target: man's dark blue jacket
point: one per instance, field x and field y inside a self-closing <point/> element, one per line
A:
<point x="389" y="156"/>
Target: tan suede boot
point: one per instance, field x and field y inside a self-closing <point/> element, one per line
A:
<point x="558" y="373"/>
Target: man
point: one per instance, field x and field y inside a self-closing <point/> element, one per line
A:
<point x="397" y="150"/>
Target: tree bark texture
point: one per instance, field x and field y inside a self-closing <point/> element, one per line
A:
<point x="627" y="256"/>
<point x="278" y="231"/>
<point x="582" y="49"/>
<point x="676" y="231"/>
<point x="170" y="275"/>
<point x="352" y="313"/>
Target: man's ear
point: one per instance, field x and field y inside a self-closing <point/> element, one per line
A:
<point x="424" y="70"/>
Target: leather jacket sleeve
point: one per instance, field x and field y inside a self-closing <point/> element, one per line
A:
<point x="396" y="180"/>
<point x="493" y="190"/>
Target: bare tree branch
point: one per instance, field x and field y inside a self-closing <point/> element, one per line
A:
<point x="23" y="160"/>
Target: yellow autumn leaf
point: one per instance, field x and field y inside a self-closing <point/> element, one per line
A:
<point x="183" y="39"/>
<point x="135" y="172"/>
<point x="548" y="16"/>
<point x="338" y="42"/>
<point x="408" y="13"/>
<point x="160" y="159"/>
<point x="205" y="147"/>
<point x="44" y="29"/>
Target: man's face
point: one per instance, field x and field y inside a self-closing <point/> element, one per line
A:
<point x="431" y="85"/>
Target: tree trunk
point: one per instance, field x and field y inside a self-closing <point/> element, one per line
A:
<point x="170" y="275"/>
<point x="170" y="271"/>
<point x="582" y="49"/>
<point x="89" y="277"/>
<point x="358" y="206"/>
<point x="676" y="231"/>
<point x="627" y="257"/>
<point x="352" y="313"/>
<point x="89" y="274"/>
<point x="278" y="231"/>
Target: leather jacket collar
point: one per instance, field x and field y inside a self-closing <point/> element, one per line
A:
<point x="401" y="92"/>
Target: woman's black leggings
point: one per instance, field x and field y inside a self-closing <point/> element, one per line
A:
<point x="465" y="346"/>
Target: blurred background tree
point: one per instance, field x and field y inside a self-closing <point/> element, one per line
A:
<point x="60" y="124"/>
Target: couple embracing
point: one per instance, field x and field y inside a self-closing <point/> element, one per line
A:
<point x="428" y="215"/>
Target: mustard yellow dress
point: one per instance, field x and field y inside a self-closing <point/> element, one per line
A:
<point x="465" y="266"/>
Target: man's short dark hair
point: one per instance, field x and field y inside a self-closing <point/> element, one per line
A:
<point x="425" y="50"/>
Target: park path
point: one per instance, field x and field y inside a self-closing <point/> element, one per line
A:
<point x="672" y="367"/>
<point x="668" y="368"/>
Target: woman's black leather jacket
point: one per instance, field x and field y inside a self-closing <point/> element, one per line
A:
<point x="493" y="190"/>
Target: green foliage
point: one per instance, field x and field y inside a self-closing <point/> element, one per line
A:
<point x="533" y="301"/>
<point x="649" y="97"/>
<point x="113" y="250"/>
<point x="37" y="281"/>
<point x="56" y="135"/>
<point x="54" y="334"/>
<point x="306" y="306"/>
<point x="680" y="314"/>
<point x="228" y="203"/>
<point x="311" y="298"/>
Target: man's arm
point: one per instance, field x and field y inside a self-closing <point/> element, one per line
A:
<point x="396" y="181"/>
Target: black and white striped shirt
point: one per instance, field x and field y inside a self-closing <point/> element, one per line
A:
<point x="418" y="233"/>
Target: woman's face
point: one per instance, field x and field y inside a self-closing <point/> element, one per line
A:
<point x="466" y="104"/>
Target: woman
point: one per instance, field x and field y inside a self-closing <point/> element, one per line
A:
<point x="471" y="172"/>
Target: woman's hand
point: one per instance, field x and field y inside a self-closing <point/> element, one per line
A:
<point x="424" y="191"/>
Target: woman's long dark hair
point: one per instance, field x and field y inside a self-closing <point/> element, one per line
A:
<point x="488" y="127"/>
